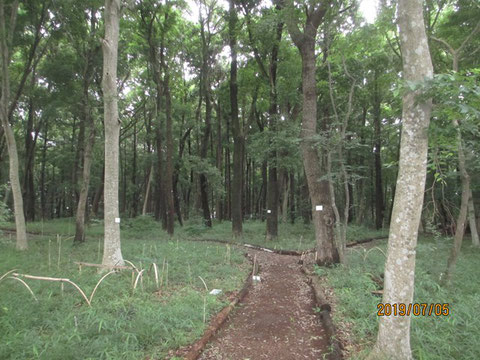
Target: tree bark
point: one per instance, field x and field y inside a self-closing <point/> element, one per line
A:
<point x="112" y="253"/>
<point x="322" y="212"/>
<point x="393" y="339"/>
<point x="5" y="41"/>
<point x="238" y="142"/>
<point x="169" y="162"/>
<point x="89" y="143"/>
<point x="462" y="216"/>
<point x="472" y="221"/>
<point x="379" y="203"/>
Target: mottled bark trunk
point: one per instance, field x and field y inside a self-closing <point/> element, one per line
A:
<point x="112" y="254"/>
<point x="5" y="40"/>
<point x="393" y="339"/>
<point x="322" y="211"/>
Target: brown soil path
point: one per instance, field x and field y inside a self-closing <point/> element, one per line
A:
<point x="276" y="319"/>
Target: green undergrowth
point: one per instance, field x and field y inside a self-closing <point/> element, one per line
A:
<point x="122" y="323"/>
<point x="432" y="337"/>
<point x="297" y="236"/>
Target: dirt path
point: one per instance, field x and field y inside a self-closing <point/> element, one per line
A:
<point x="276" y="319"/>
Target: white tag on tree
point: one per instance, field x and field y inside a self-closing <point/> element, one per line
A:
<point x="269" y="211"/>
<point x="215" y="292"/>
<point x="319" y="207"/>
<point x="117" y="220"/>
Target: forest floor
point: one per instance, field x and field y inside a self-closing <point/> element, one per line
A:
<point x="154" y="320"/>
<point x="275" y="320"/>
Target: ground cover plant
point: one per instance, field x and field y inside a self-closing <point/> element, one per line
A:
<point x="433" y="337"/>
<point x="122" y="323"/>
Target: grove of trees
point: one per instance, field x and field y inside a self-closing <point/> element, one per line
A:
<point x="282" y="111"/>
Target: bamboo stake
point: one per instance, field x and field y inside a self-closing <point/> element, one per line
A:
<point x="45" y="278"/>
<point x="25" y="284"/>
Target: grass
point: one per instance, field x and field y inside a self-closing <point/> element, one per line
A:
<point x="298" y="236"/>
<point x="432" y="337"/>
<point x="122" y="323"/>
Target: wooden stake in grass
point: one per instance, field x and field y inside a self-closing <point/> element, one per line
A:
<point x="204" y="301"/>
<point x="49" y="254"/>
<point x="59" y="243"/>
<point x="166" y="277"/>
<point x="139" y="275"/>
<point x="98" y="283"/>
<point x="155" y="269"/>
<point x="163" y="272"/>
<point x="25" y="284"/>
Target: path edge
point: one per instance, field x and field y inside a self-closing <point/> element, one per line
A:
<point x="325" y="316"/>
<point x="219" y="319"/>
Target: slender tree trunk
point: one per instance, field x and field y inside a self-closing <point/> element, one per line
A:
<point x="43" y="188"/>
<point x="147" y="191"/>
<point x="89" y="125"/>
<point x="237" y="194"/>
<point x="112" y="253"/>
<point x="134" y="173"/>
<point x="98" y="195"/>
<point x="462" y="216"/>
<point x="472" y="221"/>
<point x="31" y="135"/>
<point x="169" y="162"/>
<point x="292" y="198"/>
<point x="5" y="40"/>
<point x="379" y="203"/>
<point x="393" y="339"/>
<point x="219" y="161"/>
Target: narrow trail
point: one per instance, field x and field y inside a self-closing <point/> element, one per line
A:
<point x="275" y="320"/>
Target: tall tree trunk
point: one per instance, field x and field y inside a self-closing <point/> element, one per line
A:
<point x="112" y="253"/>
<point x="89" y="125"/>
<point x="43" y="188"/>
<point x="169" y="164"/>
<point x="379" y="203"/>
<point x="393" y="339"/>
<point x="322" y="212"/>
<point x="219" y="161"/>
<point x="237" y="194"/>
<point x="5" y="41"/>
<point x="462" y="216"/>
<point x="31" y="135"/>
<point x="134" y="172"/>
